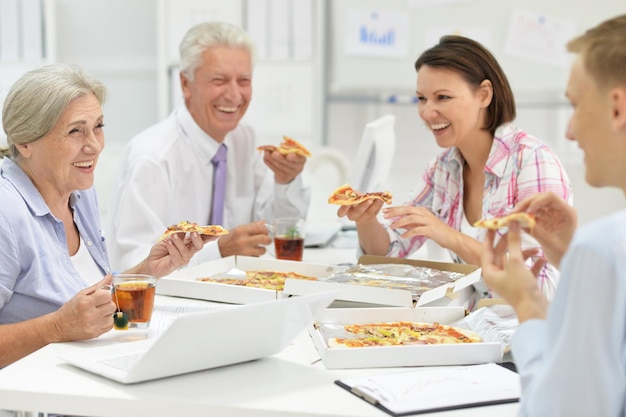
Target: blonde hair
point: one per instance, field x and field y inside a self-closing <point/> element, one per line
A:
<point x="36" y="101"/>
<point x="208" y="35"/>
<point x="603" y="51"/>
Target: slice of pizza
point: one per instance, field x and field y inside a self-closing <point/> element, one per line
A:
<point x="526" y="221"/>
<point x="188" y="227"/>
<point x="288" y="146"/>
<point x="345" y="195"/>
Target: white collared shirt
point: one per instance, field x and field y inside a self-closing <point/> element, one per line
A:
<point x="166" y="177"/>
<point x="574" y="362"/>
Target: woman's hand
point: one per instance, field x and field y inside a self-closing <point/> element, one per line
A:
<point x="171" y="253"/>
<point x="86" y="315"/>
<point x="419" y="221"/>
<point x="361" y="213"/>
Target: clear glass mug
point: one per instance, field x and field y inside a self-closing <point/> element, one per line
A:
<point x="288" y="235"/>
<point x="133" y="295"/>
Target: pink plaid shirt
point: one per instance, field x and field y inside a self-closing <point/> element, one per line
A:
<point x="519" y="165"/>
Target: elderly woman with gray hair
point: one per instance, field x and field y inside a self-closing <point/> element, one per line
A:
<point x="54" y="260"/>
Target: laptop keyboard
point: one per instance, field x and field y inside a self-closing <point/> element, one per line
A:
<point x="122" y="362"/>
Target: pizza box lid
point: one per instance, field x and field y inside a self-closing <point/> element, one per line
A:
<point x="184" y="282"/>
<point x="457" y="293"/>
<point x="397" y="356"/>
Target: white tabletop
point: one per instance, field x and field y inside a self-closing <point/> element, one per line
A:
<point x="291" y="383"/>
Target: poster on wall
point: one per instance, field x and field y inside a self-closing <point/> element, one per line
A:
<point x="376" y="33"/>
<point x="540" y="38"/>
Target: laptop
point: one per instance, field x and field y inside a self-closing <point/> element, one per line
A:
<point x="205" y="340"/>
<point x="321" y="234"/>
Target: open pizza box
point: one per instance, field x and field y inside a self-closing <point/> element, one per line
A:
<point x="397" y="356"/>
<point x="457" y="293"/>
<point x="184" y="282"/>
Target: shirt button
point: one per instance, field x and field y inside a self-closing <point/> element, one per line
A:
<point x="89" y="243"/>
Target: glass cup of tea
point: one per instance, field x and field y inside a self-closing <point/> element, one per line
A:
<point x="289" y="238"/>
<point x="133" y="295"/>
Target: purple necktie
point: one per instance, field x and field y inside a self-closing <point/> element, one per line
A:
<point x="219" y="185"/>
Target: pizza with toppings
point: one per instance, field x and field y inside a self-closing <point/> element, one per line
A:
<point x="526" y="221"/>
<point x="402" y="333"/>
<point x="345" y="195"/>
<point x="188" y="227"/>
<point x="288" y="146"/>
<point x="269" y="280"/>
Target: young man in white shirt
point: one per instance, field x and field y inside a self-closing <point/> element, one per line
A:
<point x="571" y="353"/>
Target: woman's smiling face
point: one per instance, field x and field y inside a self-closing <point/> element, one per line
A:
<point x="66" y="157"/>
<point x="451" y="108"/>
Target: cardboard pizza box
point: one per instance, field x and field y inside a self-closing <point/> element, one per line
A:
<point x="396" y="356"/>
<point x="184" y="282"/>
<point x="458" y="293"/>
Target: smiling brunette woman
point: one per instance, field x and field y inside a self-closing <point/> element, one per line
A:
<point x="488" y="164"/>
<point x="54" y="260"/>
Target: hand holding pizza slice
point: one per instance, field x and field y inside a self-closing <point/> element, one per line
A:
<point x="286" y="147"/>
<point x="345" y="195"/>
<point x="526" y="221"/>
<point x="188" y="227"/>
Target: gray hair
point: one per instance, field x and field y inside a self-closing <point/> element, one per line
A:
<point x="208" y="35"/>
<point x="36" y="101"/>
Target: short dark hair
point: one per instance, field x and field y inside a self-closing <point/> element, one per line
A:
<point x="475" y="64"/>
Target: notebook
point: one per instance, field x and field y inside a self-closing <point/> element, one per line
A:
<point x="204" y="340"/>
<point x="437" y="389"/>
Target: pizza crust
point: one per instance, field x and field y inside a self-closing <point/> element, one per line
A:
<point x="188" y="227"/>
<point x="526" y="221"/>
<point x="288" y="146"/>
<point x="345" y="195"/>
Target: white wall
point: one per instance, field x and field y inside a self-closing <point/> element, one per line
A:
<point x="415" y="146"/>
<point x="115" y="40"/>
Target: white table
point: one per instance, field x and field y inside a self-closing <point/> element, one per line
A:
<point x="292" y="383"/>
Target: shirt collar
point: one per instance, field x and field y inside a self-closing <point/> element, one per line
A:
<point x="14" y="174"/>
<point x="499" y="155"/>
<point x="199" y="140"/>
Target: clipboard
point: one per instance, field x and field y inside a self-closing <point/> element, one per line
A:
<point x="437" y="389"/>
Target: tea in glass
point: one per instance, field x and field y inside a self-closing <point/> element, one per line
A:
<point x="133" y="295"/>
<point x="289" y="248"/>
<point x="289" y="238"/>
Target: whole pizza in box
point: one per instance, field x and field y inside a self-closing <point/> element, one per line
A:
<point x="397" y="333"/>
<point x="269" y="280"/>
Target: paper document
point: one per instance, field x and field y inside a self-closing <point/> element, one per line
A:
<point x="437" y="389"/>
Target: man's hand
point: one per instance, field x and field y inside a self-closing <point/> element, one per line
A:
<point x="555" y="225"/>
<point x="505" y="272"/>
<point x="248" y="239"/>
<point x="285" y="167"/>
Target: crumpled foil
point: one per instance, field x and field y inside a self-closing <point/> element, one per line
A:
<point x="399" y="276"/>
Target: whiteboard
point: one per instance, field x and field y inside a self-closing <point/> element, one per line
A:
<point x="488" y="21"/>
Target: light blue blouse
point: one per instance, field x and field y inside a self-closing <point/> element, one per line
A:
<point x="574" y="362"/>
<point x="36" y="273"/>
